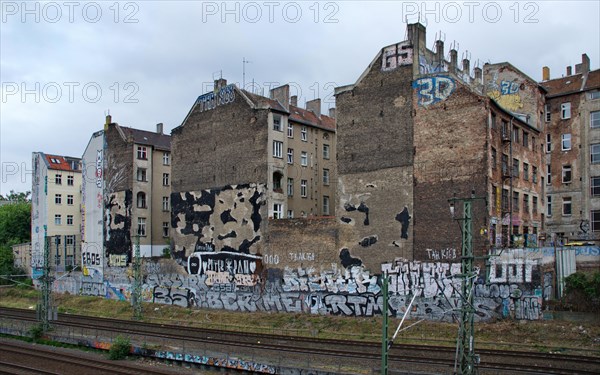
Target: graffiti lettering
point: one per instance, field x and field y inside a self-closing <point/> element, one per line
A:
<point x="431" y="90"/>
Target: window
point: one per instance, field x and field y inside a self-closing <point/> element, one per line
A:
<point x="58" y="179"/>
<point x="70" y="180"/>
<point x="494" y="198"/>
<point x="303" y="188"/>
<point x="303" y="134"/>
<point x="290" y="131"/>
<point x="57" y="219"/>
<point x="515" y="206"/>
<point x="595" y="119"/>
<point x="277" y="149"/>
<point x="549" y="205"/>
<point x="534" y="204"/>
<point x="165" y="179"/>
<point x="70" y="240"/>
<point x="325" y="205"/>
<point x="141" y="175"/>
<point x="525" y="139"/>
<point x="494" y="158"/>
<point x="504" y="164"/>
<point x="595" y="216"/>
<point x="548" y="175"/>
<point x="325" y="176"/>
<point x="504" y="199"/>
<point x="142" y="153"/>
<point x="165" y="203"/>
<point x="565" y="111"/>
<point x="526" y="171"/>
<point x="595" y="153"/>
<point x="533" y="144"/>
<point x="566" y="142"/>
<point x="70" y="200"/>
<point x="325" y="151"/>
<point x="594" y="95"/>
<point x="595" y="184"/>
<point x="165" y="229"/>
<point x="290" y="156"/>
<point x="277" y="176"/>
<point x="567" y="207"/>
<point x="290" y="187"/>
<point x="505" y="133"/>
<point x="141" y="200"/>
<point x="141" y="230"/>
<point x="494" y="124"/>
<point x="534" y="174"/>
<point x="515" y="134"/>
<point x="515" y="169"/>
<point x="58" y="198"/>
<point x="290" y="214"/>
<point x="277" y="123"/>
<point x="167" y="158"/>
<point x="547" y="111"/>
<point x="277" y="211"/>
<point x="526" y="203"/>
<point x="566" y="174"/>
<point x="548" y="143"/>
<point x="69" y="219"/>
<point x="304" y="158"/>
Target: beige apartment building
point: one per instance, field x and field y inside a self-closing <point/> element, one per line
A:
<point x="55" y="205"/>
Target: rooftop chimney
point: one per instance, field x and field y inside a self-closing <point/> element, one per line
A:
<point x="332" y="112"/>
<point x="453" y="60"/>
<point x="108" y="121"/>
<point x="220" y="83"/>
<point x="159" y="128"/>
<point x="439" y="51"/>
<point x="570" y="70"/>
<point x="315" y="106"/>
<point x="282" y="94"/>
<point x="478" y="75"/>
<point x="584" y="67"/>
<point x="417" y="34"/>
<point x="545" y="73"/>
<point x="466" y="66"/>
<point x="294" y="100"/>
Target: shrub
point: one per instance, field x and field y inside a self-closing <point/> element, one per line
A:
<point x="120" y="348"/>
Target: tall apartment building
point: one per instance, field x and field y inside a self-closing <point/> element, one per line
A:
<point x="55" y="211"/>
<point x="417" y="129"/>
<point x="126" y="193"/>
<point x="240" y="157"/>
<point x="572" y="147"/>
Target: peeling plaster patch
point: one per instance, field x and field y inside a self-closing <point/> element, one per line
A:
<point x="404" y="219"/>
<point x="346" y="220"/>
<point x="399" y="101"/>
<point x="347" y="260"/>
<point x="368" y="241"/>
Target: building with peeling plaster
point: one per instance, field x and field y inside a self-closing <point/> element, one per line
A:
<point x="55" y="204"/>
<point x="572" y="154"/>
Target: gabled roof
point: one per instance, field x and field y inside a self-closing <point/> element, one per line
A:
<point x="262" y="102"/>
<point x="148" y="138"/>
<point x="62" y="163"/>
<point x="572" y="84"/>
<point x="307" y="117"/>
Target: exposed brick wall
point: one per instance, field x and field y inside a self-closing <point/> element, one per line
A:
<point x="119" y="163"/>
<point x="221" y="145"/>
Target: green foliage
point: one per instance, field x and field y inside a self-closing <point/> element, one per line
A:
<point x="36" y="332"/>
<point x="120" y="348"/>
<point x="15" y="223"/>
<point x="579" y="282"/>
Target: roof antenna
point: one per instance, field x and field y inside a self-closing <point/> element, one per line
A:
<point x="244" y="62"/>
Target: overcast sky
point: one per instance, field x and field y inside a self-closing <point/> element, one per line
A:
<point x="65" y="64"/>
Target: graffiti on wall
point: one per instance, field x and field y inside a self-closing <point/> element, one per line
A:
<point x="428" y="67"/>
<point x="362" y="207"/>
<point x="431" y="90"/>
<point x="212" y="100"/>
<point x="397" y="55"/>
<point x="226" y="219"/>
<point x="448" y="253"/>
<point x="511" y="271"/>
<point x="505" y="93"/>
<point x="226" y="267"/>
<point x="118" y="223"/>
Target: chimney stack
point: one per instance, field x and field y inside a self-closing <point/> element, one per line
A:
<point x="570" y="70"/>
<point x="545" y="73"/>
<point x="107" y="122"/>
<point x="478" y="75"/>
<point x="439" y="51"/>
<point x="159" y="128"/>
<point x="282" y="94"/>
<point x="453" y="60"/>
<point x="294" y="100"/>
<point x="466" y="66"/>
<point x="417" y="34"/>
<point x="315" y="106"/>
<point x="332" y="112"/>
<point x="584" y="67"/>
<point x="220" y="83"/>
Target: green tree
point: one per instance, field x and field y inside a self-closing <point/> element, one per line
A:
<point x="16" y="197"/>
<point x="15" y="228"/>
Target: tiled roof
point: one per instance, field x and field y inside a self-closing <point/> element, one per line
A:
<point x="264" y="102"/>
<point x="144" y="137"/>
<point x="58" y="162"/>
<point x="308" y="117"/>
<point x="572" y="84"/>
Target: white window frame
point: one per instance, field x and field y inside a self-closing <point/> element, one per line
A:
<point x="69" y="219"/>
<point x="567" y="202"/>
<point x="595" y="153"/>
<point x="549" y="205"/>
<point x="57" y="219"/>
<point x="547" y="113"/>
<point x="290" y="214"/>
<point x="290" y="187"/>
<point x="277" y="123"/>
<point x="595" y="119"/>
<point x="277" y="211"/>
<point x="277" y="149"/>
<point x="567" y="171"/>
<point x="290" y="130"/>
<point x="565" y="110"/>
<point x="167" y="158"/>
<point x="326" y="205"/>
<point x="548" y="174"/>
<point x="142" y="175"/>
<point x="57" y="198"/>
<point x="58" y="179"/>
<point x="290" y="156"/>
<point x="166" y="179"/>
<point x="70" y="180"/>
<point x="141" y="229"/>
<point x="325" y="151"/>
<point x="304" y="134"/>
<point x="141" y="200"/>
<point x="325" y="176"/>
<point x="165" y="229"/>
<point x="165" y="203"/>
<point x="304" y="158"/>
<point x="142" y="153"/>
<point x="566" y="142"/>
<point x="548" y="143"/>
<point x="303" y="188"/>
<point x="595" y="186"/>
<point x="70" y="200"/>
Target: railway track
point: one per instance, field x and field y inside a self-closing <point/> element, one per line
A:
<point x="431" y="358"/>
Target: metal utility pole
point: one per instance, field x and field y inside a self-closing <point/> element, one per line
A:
<point x="384" y="333"/>
<point x="136" y="295"/>
<point x="466" y="359"/>
<point x="44" y="307"/>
